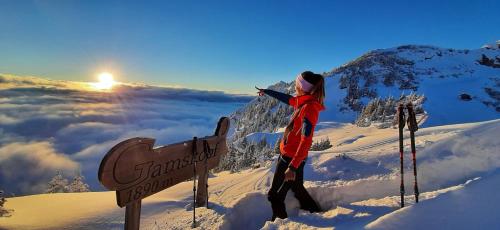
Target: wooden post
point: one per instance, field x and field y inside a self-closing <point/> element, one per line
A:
<point x="202" y="193"/>
<point x="133" y="215"/>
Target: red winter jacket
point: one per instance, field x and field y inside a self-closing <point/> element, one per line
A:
<point x="299" y="139"/>
<point x="298" y="135"/>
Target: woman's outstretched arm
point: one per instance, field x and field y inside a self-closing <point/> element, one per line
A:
<point x="283" y="97"/>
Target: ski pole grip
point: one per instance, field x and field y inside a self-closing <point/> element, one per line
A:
<point x="401" y="116"/>
<point x="412" y="118"/>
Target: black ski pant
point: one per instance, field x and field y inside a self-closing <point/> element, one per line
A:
<point x="279" y="189"/>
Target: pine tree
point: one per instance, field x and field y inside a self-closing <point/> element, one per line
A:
<point x="486" y="61"/>
<point x="244" y="143"/>
<point x="262" y="143"/>
<point x="57" y="184"/>
<point x="78" y="184"/>
<point x="326" y="144"/>
<point x="266" y="152"/>
<point x="321" y="145"/>
<point x="3" y="211"/>
<point x="276" y="149"/>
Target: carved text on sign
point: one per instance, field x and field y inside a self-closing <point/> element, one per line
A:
<point x="135" y="170"/>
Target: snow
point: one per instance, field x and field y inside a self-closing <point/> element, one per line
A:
<point x="333" y="102"/>
<point x="473" y="207"/>
<point x="356" y="182"/>
<point x="270" y="138"/>
<point x="440" y="74"/>
<point x="436" y="76"/>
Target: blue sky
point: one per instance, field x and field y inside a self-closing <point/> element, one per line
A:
<point x="224" y="45"/>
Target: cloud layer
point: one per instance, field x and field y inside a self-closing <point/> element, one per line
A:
<point x="48" y="126"/>
<point x="30" y="165"/>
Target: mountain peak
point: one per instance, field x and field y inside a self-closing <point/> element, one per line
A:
<point x="493" y="45"/>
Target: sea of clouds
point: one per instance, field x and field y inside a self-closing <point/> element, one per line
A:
<point x="48" y="126"/>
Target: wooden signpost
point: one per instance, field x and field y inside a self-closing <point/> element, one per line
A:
<point x="135" y="170"/>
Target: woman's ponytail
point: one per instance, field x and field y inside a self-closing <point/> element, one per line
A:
<point x="319" y="91"/>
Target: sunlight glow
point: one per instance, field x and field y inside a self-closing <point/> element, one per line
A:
<point x="105" y="82"/>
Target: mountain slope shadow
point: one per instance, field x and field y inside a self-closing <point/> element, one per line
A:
<point x="342" y="167"/>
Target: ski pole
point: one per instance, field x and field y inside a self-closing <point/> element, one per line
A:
<point x="195" y="150"/>
<point x="279" y="189"/>
<point x="401" y="121"/>
<point x="207" y="149"/>
<point x="412" y="126"/>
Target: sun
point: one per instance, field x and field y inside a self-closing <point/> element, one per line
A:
<point x="105" y="82"/>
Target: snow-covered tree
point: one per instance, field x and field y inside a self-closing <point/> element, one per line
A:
<point x="262" y="143"/>
<point x="491" y="62"/>
<point x="382" y="111"/>
<point x="263" y="151"/>
<point x="78" y="184"/>
<point x="3" y="211"/>
<point x="243" y="154"/>
<point x="57" y="184"/>
<point x="264" y="114"/>
<point x="229" y="161"/>
<point x="321" y="145"/>
<point x="277" y="146"/>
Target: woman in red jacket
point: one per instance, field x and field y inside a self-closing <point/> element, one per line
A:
<point x="296" y="141"/>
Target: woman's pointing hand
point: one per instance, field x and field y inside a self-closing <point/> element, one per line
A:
<point x="261" y="91"/>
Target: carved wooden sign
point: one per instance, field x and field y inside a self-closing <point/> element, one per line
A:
<point x="135" y="170"/>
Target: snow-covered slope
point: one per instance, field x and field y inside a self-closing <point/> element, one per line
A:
<point x="440" y="74"/>
<point x="356" y="183"/>
<point x="473" y="207"/>
<point x="262" y="114"/>
<point x="449" y="86"/>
